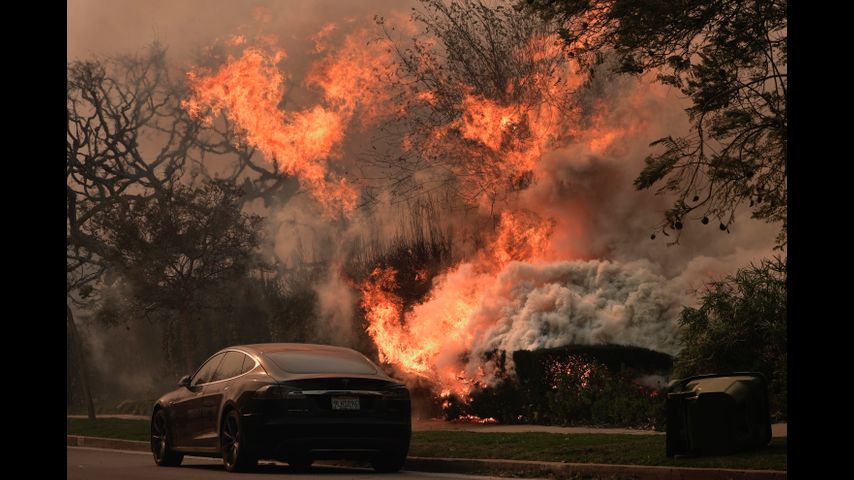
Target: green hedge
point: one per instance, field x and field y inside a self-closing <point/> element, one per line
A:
<point x="575" y="385"/>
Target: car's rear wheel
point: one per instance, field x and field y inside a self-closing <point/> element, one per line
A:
<point x="161" y="443"/>
<point x="236" y="454"/>
<point x="389" y="461"/>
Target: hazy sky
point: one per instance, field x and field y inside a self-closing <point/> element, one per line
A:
<point x="121" y="26"/>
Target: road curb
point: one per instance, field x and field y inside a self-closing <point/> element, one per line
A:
<point x="518" y="468"/>
<point x="583" y="470"/>
<point x="111" y="443"/>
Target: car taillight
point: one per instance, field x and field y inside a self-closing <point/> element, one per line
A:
<point x="280" y="391"/>
<point x="397" y="392"/>
<point x="288" y="398"/>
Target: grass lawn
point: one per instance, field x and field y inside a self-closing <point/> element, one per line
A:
<point x="109" y="428"/>
<point x="553" y="447"/>
<point x="584" y="448"/>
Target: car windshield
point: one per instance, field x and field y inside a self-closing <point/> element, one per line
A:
<point x="322" y="361"/>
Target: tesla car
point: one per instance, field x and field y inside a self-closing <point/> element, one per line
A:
<point x="289" y="402"/>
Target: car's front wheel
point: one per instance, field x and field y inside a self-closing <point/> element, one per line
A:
<point x="161" y="443"/>
<point x="236" y="455"/>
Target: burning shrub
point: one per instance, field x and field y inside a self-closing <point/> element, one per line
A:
<point x="574" y="385"/>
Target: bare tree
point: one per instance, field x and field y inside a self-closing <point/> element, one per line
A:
<point x="127" y="140"/>
<point x="259" y="179"/>
<point x="224" y="153"/>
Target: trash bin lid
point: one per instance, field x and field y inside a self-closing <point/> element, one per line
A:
<point x="718" y="384"/>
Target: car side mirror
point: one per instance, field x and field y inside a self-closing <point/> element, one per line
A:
<point x="184" y="382"/>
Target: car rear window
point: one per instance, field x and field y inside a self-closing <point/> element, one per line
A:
<point x="322" y="361"/>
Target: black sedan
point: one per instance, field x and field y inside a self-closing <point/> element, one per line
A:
<point x="284" y="401"/>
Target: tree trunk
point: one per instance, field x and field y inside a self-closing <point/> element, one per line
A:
<point x="186" y="341"/>
<point x="77" y="345"/>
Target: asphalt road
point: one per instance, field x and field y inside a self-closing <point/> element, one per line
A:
<point x="99" y="464"/>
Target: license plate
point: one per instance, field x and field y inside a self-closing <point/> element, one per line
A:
<point x="345" y="403"/>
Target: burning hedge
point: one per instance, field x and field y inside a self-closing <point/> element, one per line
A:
<point x="610" y="385"/>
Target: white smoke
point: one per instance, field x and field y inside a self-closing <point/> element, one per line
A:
<point x="335" y="300"/>
<point x="528" y="306"/>
<point x="655" y="382"/>
<point x="582" y="302"/>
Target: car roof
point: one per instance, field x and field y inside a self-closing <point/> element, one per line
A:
<point x="262" y="350"/>
<point x="259" y="348"/>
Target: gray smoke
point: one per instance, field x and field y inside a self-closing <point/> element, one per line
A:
<point x="588" y="302"/>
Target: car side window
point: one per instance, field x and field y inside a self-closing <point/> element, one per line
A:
<point x="204" y="374"/>
<point x="229" y="367"/>
<point x="248" y="364"/>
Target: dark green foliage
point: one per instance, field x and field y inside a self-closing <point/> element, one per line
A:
<point x="595" y="385"/>
<point x="657" y="167"/>
<point x="741" y="326"/>
<point x="140" y="357"/>
<point x="730" y="58"/>
<point x="254" y="310"/>
<point x="185" y="240"/>
<point x="178" y="254"/>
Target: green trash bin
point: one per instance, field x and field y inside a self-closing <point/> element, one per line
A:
<point x="717" y="414"/>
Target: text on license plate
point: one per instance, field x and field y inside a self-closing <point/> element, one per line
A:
<point x="345" y="403"/>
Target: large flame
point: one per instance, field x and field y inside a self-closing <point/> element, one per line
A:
<point x="497" y="143"/>
<point x="424" y="341"/>
<point x="491" y="143"/>
<point x="491" y="301"/>
<point x="248" y="89"/>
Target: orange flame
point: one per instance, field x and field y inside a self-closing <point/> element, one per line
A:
<point x="412" y="345"/>
<point x="429" y="340"/>
<point x="248" y="89"/>
<point x="500" y="142"/>
<point x="521" y="236"/>
<point x="423" y="341"/>
<point x="474" y="419"/>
